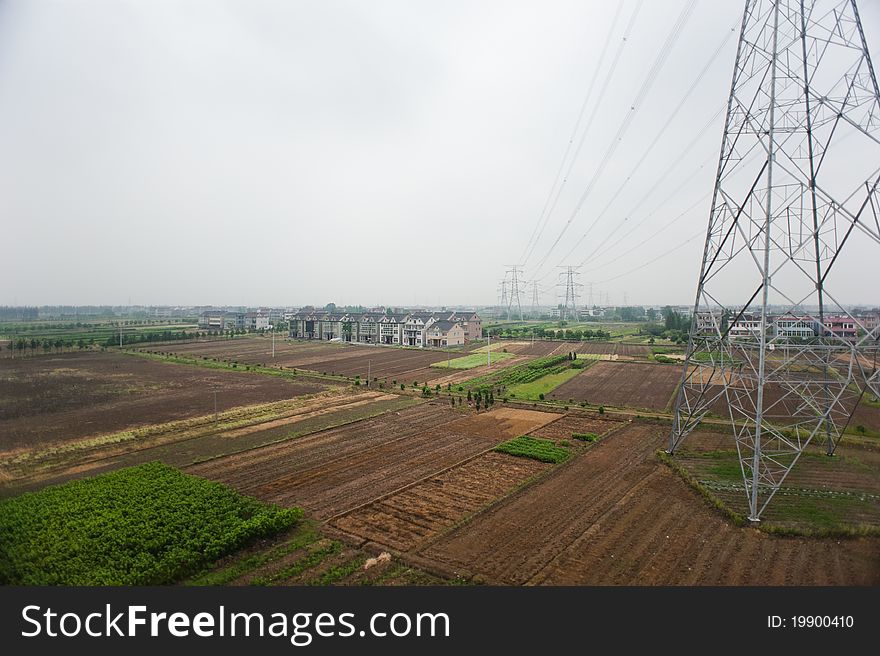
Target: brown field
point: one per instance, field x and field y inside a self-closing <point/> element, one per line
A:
<point x="577" y="423"/>
<point x="616" y="515"/>
<point x="337" y="470"/>
<point x="408" y="518"/>
<point x="542" y="348"/>
<point x="382" y="362"/>
<point x="182" y="443"/>
<point x="622" y="384"/>
<point x="52" y="399"/>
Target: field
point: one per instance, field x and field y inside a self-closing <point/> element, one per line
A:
<point x="543" y="386"/>
<point x="543" y="348"/>
<point x="131" y="527"/>
<point x="616" y="515"/>
<point x="821" y="493"/>
<point x="387" y="364"/>
<point x="184" y="442"/>
<point x="473" y="360"/>
<point x="334" y="471"/>
<point x="396" y="488"/>
<point x="48" y="400"/>
<point x="622" y="385"/>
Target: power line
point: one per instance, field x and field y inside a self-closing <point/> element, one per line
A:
<point x="701" y="233"/>
<point x="544" y="214"/>
<point x="608" y="77"/>
<point x="636" y="106"/>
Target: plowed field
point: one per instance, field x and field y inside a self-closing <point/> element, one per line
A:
<point x="622" y="384"/>
<point x="616" y="515"/>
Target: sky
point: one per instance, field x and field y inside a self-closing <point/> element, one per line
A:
<point x="261" y="152"/>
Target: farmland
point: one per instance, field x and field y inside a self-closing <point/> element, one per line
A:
<point x="621" y="517"/>
<point x="48" y="400"/>
<point x="623" y="385"/>
<point x="397" y="487"/>
<point x="384" y="363"/>
<point x="131" y="527"/>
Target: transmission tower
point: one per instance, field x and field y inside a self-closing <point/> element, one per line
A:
<point x="535" y="300"/>
<point x="514" y="296"/>
<point x="772" y="347"/>
<point x="503" y="305"/>
<point x="568" y="282"/>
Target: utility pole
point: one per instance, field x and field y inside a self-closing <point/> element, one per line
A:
<point x="779" y="223"/>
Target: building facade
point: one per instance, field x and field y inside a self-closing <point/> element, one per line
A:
<point x="417" y="328"/>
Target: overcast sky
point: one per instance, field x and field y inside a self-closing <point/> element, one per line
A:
<point x="268" y="152"/>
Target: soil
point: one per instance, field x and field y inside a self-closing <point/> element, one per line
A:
<point x="623" y="384"/>
<point x="616" y="515"/>
<point x="48" y="400"/>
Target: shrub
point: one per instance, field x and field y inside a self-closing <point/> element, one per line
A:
<point x="585" y="437"/>
<point x="540" y="396"/>
<point x="601" y="409"/>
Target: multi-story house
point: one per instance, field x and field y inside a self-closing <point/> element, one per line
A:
<point x="843" y="327"/>
<point x="470" y="323"/>
<point x="747" y="326"/>
<point x="444" y="333"/>
<point x="801" y="327"/>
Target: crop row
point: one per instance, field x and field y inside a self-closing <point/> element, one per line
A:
<point x="145" y="525"/>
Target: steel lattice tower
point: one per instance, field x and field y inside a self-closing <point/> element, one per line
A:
<point x="503" y="306"/>
<point x="535" y="299"/>
<point x="571" y="286"/>
<point x="514" y="277"/>
<point x="782" y="359"/>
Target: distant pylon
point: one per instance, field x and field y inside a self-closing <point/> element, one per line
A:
<point x="568" y="281"/>
<point x="503" y="305"/>
<point x="772" y="347"/>
<point x="514" y="296"/>
<point x="535" y="303"/>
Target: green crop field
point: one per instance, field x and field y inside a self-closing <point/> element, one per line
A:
<point x="146" y="525"/>
<point x="543" y="385"/>
<point x="534" y="448"/>
<point x="473" y="360"/>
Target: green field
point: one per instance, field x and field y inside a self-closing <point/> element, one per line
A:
<point x="473" y="360"/>
<point x="534" y="448"/>
<point x="145" y="525"/>
<point x="543" y="385"/>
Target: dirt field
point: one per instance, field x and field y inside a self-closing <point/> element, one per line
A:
<point x="576" y="423"/>
<point x="182" y="443"/>
<point x="616" y="515"/>
<point x="406" y="519"/>
<point x="541" y="348"/>
<point x="51" y="399"/>
<point x="337" y="470"/>
<point x="382" y="362"/>
<point x="622" y="384"/>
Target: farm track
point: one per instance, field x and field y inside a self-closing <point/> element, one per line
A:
<point x="616" y="515"/>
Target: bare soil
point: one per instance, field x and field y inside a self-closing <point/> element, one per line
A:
<point x="623" y="384"/>
<point x="53" y="399"/>
<point x="616" y="515"/>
